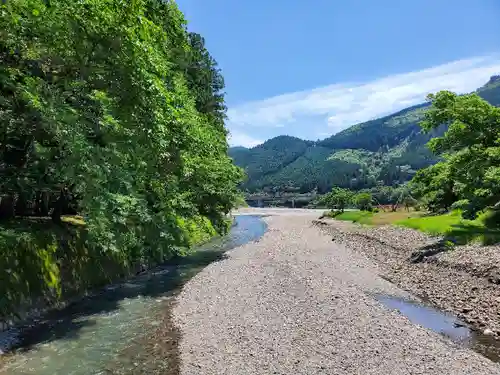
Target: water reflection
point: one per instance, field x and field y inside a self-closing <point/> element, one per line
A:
<point x="445" y="324"/>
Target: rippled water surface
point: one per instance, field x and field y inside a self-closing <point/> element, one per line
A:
<point x="126" y="329"/>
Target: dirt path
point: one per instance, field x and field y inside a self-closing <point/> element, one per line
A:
<point x="296" y="302"/>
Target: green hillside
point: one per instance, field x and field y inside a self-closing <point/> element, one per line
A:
<point x="269" y="157"/>
<point x="386" y="131"/>
<point x="388" y="150"/>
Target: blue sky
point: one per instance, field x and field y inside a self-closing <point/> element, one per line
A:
<point x="312" y="68"/>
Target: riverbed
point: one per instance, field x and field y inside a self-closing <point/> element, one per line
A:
<point x="298" y="303"/>
<point x="117" y="330"/>
<point x="292" y="302"/>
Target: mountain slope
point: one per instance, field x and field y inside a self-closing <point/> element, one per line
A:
<point x="386" y="150"/>
<point x="311" y="170"/>
<point x="269" y="157"/>
<point x="385" y="131"/>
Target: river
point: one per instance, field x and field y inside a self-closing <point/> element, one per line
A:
<point x="125" y="329"/>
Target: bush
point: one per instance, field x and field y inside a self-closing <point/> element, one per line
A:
<point x="337" y="199"/>
<point x="460" y="205"/>
<point x="363" y="201"/>
<point x="492" y="219"/>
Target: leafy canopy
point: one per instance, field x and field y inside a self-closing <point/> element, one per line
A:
<point x="363" y="201"/>
<point x="338" y="198"/>
<point x="112" y="110"/>
<point x="471" y="147"/>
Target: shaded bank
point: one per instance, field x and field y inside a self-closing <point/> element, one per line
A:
<point x="73" y="267"/>
<point x="125" y="329"/>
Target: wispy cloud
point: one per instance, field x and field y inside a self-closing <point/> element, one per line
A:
<point x="326" y="110"/>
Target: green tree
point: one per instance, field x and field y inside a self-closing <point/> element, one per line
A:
<point x="338" y="198"/>
<point x="471" y="146"/>
<point x="435" y="187"/>
<point x="113" y="110"/>
<point x="363" y="201"/>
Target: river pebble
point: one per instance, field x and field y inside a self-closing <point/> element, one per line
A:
<point x="464" y="280"/>
<point x="296" y="302"/>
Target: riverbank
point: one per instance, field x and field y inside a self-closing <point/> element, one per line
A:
<point x="464" y="280"/>
<point x="295" y="303"/>
<point x="81" y="273"/>
<point x="291" y="302"/>
<point x="126" y="328"/>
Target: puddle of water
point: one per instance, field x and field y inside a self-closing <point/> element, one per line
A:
<point x="90" y="336"/>
<point x="445" y="324"/>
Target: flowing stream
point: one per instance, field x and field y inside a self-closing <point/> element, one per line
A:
<point x="125" y="329"/>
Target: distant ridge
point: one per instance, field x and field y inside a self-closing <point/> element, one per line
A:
<point x="388" y="150"/>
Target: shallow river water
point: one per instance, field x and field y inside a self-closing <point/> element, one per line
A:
<point x="125" y="329"/>
<point x="445" y="324"/>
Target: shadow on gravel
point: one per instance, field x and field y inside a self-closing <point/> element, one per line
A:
<point x="462" y="234"/>
<point x="425" y="252"/>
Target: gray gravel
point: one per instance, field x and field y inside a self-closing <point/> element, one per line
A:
<point x="465" y="281"/>
<point x="297" y="303"/>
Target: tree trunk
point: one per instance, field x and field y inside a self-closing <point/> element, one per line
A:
<point x="42" y="203"/>
<point x="59" y="208"/>
<point x="7" y="207"/>
<point x="21" y="207"/>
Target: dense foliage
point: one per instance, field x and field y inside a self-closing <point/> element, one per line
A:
<point x="271" y="156"/>
<point x="112" y="110"/>
<point x="434" y="186"/>
<point x="338" y="199"/>
<point x="469" y="176"/>
<point x="363" y="201"/>
<point x="382" y="152"/>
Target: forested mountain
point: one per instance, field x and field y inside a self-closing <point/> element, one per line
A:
<point x="388" y="150"/>
<point x="271" y="156"/>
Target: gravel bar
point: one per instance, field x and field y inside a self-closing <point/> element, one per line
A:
<point x="297" y="303"/>
<point x="464" y="281"/>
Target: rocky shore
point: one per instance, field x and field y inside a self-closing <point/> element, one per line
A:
<point x="294" y="303"/>
<point x="464" y="280"/>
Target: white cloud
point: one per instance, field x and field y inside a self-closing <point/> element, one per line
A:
<point x="332" y="108"/>
<point x="240" y="139"/>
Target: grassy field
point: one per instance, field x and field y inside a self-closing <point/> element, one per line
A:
<point x="361" y="217"/>
<point x="376" y="218"/>
<point x="438" y="224"/>
<point x="451" y="225"/>
<point x="454" y="228"/>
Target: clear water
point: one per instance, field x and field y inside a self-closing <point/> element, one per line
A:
<point x="445" y="324"/>
<point x="127" y="328"/>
